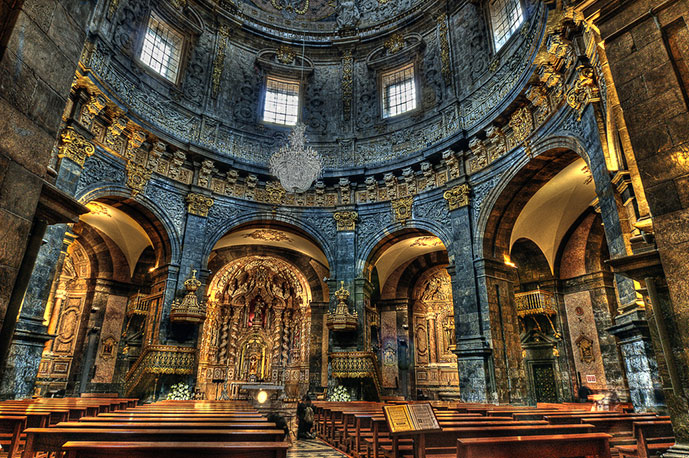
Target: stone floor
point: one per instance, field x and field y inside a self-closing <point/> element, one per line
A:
<point x="313" y="449"/>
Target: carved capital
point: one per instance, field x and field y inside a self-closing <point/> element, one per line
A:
<point x="346" y="220"/>
<point x="75" y="147"/>
<point x="521" y="123"/>
<point x="198" y="204"/>
<point x="457" y="197"/>
<point x="401" y="208"/>
<point x="583" y="90"/>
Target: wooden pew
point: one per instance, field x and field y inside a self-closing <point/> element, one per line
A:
<point x="181" y="423"/>
<point x="441" y="442"/>
<point x="555" y="446"/>
<point x="11" y="428"/>
<point x="52" y="439"/>
<point x="83" y="449"/>
<point x="652" y="438"/>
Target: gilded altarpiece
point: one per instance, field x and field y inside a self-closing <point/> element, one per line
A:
<point x="434" y="332"/>
<point x="257" y="329"/>
<point x="65" y="313"/>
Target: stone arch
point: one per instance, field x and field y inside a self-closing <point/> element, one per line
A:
<point x="157" y="223"/>
<point x="268" y="219"/>
<point x="392" y="234"/>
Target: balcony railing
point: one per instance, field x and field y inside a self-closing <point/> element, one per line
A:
<point x="536" y="302"/>
<point x="160" y="360"/>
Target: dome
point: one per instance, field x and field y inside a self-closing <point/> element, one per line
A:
<point x="337" y="53"/>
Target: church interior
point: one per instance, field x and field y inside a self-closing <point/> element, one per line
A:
<point x="357" y="228"/>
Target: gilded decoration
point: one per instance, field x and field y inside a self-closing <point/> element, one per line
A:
<point x="434" y="330"/>
<point x="583" y="91"/>
<point x="535" y="304"/>
<point x="347" y="69"/>
<point x="189" y="309"/>
<point x="341" y="319"/>
<point x="268" y="235"/>
<point x="426" y="241"/>
<point x="75" y="147"/>
<point x="286" y="55"/>
<point x="159" y="360"/>
<point x="198" y="204"/>
<point x="137" y="176"/>
<point x="457" y="197"/>
<point x="394" y="43"/>
<point x="258" y="325"/>
<point x="346" y="220"/>
<point x="521" y="123"/>
<point x="219" y="61"/>
<point x="402" y="209"/>
<point x="92" y="108"/>
<point x="445" y="64"/>
<point x="357" y="365"/>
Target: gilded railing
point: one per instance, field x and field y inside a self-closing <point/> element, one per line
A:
<point x="160" y="359"/>
<point x="536" y="302"/>
<point x="138" y="305"/>
<point x="356" y="364"/>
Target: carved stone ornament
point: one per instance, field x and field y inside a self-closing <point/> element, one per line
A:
<point x="585" y="346"/>
<point x="346" y="220"/>
<point x="401" y="208"/>
<point x="457" y="197"/>
<point x="583" y="91"/>
<point x="198" y="204"/>
<point x="75" y="147"/>
<point x="137" y="177"/>
<point x="521" y="124"/>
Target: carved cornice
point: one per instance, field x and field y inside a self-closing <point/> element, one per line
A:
<point x="75" y="147"/>
<point x="457" y="197"/>
<point x="199" y="204"/>
<point x="346" y="220"/>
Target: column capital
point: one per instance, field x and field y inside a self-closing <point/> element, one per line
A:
<point x="457" y="196"/>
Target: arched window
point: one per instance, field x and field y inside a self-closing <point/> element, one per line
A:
<point x="162" y="48"/>
<point x="505" y="16"/>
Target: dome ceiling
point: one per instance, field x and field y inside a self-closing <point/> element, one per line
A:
<point x="326" y="15"/>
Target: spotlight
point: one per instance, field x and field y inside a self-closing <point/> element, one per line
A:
<point x="262" y="396"/>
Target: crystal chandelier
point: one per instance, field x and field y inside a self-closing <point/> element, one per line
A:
<point x="295" y="164"/>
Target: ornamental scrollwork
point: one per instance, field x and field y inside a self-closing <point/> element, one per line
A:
<point x="457" y="197"/>
<point x="346" y="220"/>
<point x="75" y="147"/>
<point x="583" y="90"/>
<point x="401" y="208"/>
<point x="198" y="204"/>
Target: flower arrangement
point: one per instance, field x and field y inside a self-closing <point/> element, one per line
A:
<point x="179" y="392"/>
<point x="340" y="394"/>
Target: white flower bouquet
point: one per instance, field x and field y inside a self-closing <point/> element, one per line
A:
<point x="339" y="394"/>
<point x="179" y="392"/>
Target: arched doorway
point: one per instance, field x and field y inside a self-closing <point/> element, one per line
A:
<point x="414" y="335"/>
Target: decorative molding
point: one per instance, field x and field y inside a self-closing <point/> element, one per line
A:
<point x="457" y="197"/>
<point x="199" y="204"/>
<point x="219" y="61"/>
<point x="347" y="69"/>
<point x="75" y="147"/>
<point x="445" y="64"/>
<point x="137" y="176"/>
<point x="346" y="220"/>
<point x="583" y="90"/>
<point x="401" y="209"/>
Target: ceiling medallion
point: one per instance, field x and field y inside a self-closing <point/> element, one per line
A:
<point x="295" y="164"/>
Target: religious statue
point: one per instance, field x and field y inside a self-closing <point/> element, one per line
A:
<point x="347" y="14"/>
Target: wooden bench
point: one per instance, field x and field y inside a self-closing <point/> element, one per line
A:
<point x="11" y="428"/>
<point x="52" y="439"/>
<point x="652" y="438"/>
<point x="87" y="449"/>
<point x="440" y="442"/>
<point x="554" y="446"/>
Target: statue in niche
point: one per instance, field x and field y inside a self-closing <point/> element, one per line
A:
<point x="450" y="335"/>
<point x="347" y="14"/>
<point x="257" y="313"/>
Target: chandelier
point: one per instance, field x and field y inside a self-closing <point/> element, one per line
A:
<point x="295" y="164"/>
